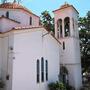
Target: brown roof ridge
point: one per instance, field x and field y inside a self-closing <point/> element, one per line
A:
<point x="20" y="29"/>
<point x="66" y="6"/>
<point x="26" y="27"/>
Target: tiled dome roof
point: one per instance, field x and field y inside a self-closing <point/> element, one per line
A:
<point x="11" y="6"/>
<point x="15" y="6"/>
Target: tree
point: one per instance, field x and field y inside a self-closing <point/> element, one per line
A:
<point x="56" y="86"/>
<point x="84" y="33"/>
<point x="47" y="21"/>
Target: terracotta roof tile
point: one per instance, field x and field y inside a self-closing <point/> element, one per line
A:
<point x="66" y="6"/>
<point x="15" y="6"/>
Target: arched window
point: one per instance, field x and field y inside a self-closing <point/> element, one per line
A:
<point x="7" y="14"/>
<point x="38" y="71"/>
<point x="67" y="26"/>
<point x="46" y="70"/>
<point x="59" y="27"/>
<point x="42" y="69"/>
<point x="30" y="21"/>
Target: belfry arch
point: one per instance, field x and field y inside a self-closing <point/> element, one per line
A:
<point x="59" y="27"/>
<point x="67" y="26"/>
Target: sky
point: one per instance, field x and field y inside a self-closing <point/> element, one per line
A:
<point x="38" y="6"/>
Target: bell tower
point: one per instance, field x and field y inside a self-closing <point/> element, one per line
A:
<point x="66" y="31"/>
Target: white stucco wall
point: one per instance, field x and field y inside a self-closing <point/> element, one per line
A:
<point x="6" y="41"/>
<point x="28" y="47"/>
<point x="21" y="16"/>
<point x="71" y="54"/>
<point x="0" y="55"/>
<point x="7" y="25"/>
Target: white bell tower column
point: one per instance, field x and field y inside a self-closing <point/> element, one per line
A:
<point x="66" y="31"/>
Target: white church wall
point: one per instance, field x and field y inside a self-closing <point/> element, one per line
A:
<point x="75" y="77"/>
<point x="2" y="12"/>
<point x="26" y="53"/>
<point x="4" y="70"/>
<point x="0" y="56"/>
<point x="7" y="25"/>
<point x="71" y="59"/>
<point x="24" y="18"/>
<point x="52" y="53"/>
<point x="4" y="57"/>
<point x="21" y="16"/>
<point x="71" y="54"/>
<point x="6" y="60"/>
<point x="28" y="48"/>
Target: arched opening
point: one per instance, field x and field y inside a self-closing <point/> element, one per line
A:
<point x="67" y="26"/>
<point x="7" y="14"/>
<point x="63" y="76"/>
<point x="59" y="27"/>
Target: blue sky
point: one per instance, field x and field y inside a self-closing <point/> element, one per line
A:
<point x="38" y="6"/>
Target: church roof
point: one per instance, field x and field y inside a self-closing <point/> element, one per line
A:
<point x="25" y="29"/>
<point x="66" y="5"/>
<point x="15" y="6"/>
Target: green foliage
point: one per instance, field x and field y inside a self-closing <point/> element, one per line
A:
<point x="84" y="33"/>
<point x="47" y="21"/>
<point x="57" y="86"/>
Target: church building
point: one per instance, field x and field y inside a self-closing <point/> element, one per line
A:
<point x="30" y="56"/>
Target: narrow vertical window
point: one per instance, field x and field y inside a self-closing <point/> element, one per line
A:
<point x="63" y="45"/>
<point x="58" y="29"/>
<point x="7" y="14"/>
<point x="42" y="69"/>
<point x="46" y="70"/>
<point x="38" y="71"/>
<point x="30" y="21"/>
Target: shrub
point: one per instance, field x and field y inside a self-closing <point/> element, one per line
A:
<point x="56" y="86"/>
<point x="2" y="84"/>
